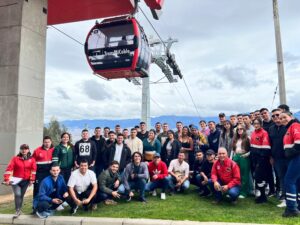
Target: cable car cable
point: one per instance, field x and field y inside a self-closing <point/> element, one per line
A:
<point x="166" y="47"/>
<point x="275" y="92"/>
<point x="67" y="35"/>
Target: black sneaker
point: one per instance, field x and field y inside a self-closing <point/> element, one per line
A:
<point x="128" y="199"/>
<point x="143" y="200"/>
<point x="204" y="194"/>
<point x="74" y="210"/>
<point x="260" y="200"/>
<point x="288" y="213"/>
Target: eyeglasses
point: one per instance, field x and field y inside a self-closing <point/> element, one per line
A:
<point x="275" y="115"/>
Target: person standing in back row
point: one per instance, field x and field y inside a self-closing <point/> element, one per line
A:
<point x="63" y="156"/>
<point x="43" y="159"/>
<point x="99" y="142"/>
<point x="85" y="149"/>
<point x="143" y="134"/>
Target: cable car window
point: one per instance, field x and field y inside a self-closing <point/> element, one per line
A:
<point x="111" y="46"/>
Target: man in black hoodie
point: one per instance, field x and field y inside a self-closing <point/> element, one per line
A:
<point x="85" y="149"/>
<point x="99" y="141"/>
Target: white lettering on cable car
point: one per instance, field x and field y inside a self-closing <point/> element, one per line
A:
<point x="118" y="52"/>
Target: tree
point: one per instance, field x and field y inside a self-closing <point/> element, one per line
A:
<point x="54" y="129"/>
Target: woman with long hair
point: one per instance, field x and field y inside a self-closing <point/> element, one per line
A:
<point x="170" y="149"/>
<point x="226" y="137"/>
<point x="187" y="145"/>
<point x="20" y="173"/>
<point x="63" y="156"/>
<point x="151" y="145"/>
<point x="241" y="150"/>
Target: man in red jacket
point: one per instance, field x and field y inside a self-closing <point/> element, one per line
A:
<point x="43" y="159"/>
<point x="225" y="177"/>
<point x="158" y="172"/>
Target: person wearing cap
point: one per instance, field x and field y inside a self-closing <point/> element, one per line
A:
<point x="225" y="177"/>
<point x="179" y="171"/>
<point x="20" y="173"/>
<point x="205" y="173"/>
<point x="222" y="119"/>
<point x="158" y="173"/>
<point x="170" y="148"/>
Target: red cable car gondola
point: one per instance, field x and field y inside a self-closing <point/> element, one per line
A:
<point x="118" y="48"/>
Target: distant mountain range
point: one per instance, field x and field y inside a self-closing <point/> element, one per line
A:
<point x="128" y="123"/>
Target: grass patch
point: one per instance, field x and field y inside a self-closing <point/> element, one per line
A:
<point x="187" y="206"/>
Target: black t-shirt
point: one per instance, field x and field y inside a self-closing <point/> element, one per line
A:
<point x="142" y="136"/>
<point x="206" y="168"/>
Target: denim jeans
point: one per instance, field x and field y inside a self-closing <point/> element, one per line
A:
<point x="292" y="184"/>
<point x="233" y="192"/>
<point x="172" y="182"/>
<point x="139" y="184"/>
<point x="281" y="165"/>
<point x="162" y="183"/>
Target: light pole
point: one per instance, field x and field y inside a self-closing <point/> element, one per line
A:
<point x="281" y="80"/>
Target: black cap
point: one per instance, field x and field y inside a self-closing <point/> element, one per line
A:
<point x="221" y="114"/>
<point x="210" y="152"/>
<point x="24" y="146"/>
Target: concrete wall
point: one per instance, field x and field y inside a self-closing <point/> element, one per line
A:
<point x="22" y="76"/>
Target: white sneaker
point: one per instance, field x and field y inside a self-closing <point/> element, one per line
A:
<point x="282" y="204"/>
<point x="163" y="196"/>
<point x="65" y="204"/>
<point x="241" y="196"/>
<point x="154" y="193"/>
<point x="60" y="208"/>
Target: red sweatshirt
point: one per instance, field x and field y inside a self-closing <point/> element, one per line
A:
<point x="161" y="170"/>
<point x="18" y="167"/>
<point x="228" y="172"/>
<point x="43" y="156"/>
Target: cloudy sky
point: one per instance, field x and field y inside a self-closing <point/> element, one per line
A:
<point x="226" y="52"/>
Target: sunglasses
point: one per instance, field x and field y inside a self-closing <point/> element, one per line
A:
<point x="275" y="115"/>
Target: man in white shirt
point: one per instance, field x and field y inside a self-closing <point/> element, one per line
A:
<point x="82" y="187"/>
<point x="179" y="174"/>
<point x="134" y="143"/>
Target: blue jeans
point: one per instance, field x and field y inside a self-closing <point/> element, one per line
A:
<point x="280" y="166"/>
<point x="139" y="184"/>
<point x="292" y="184"/>
<point x="162" y="183"/>
<point x="172" y="182"/>
<point x="233" y="192"/>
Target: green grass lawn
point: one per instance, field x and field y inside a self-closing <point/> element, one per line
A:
<point x="187" y="206"/>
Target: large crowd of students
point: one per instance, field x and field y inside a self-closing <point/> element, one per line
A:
<point x="250" y="154"/>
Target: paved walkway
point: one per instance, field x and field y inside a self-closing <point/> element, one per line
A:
<point x="64" y="220"/>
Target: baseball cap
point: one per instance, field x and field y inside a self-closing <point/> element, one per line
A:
<point x="156" y="155"/>
<point x="24" y="146"/>
<point x="221" y="114"/>
<point x="210" y="152"/>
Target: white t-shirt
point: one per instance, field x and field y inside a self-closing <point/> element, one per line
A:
<point x="182" y="169"/>
<point x="81" y="182"/>
<point x="118" y="152"/>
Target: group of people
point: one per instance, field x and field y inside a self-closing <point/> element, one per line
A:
<point x="249" y="154"/>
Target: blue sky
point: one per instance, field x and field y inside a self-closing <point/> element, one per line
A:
<point x="226" y="52"/>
